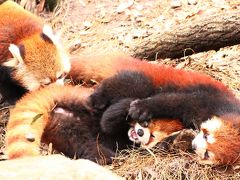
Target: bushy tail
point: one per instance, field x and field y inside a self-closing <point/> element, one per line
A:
<point x="32" y="115"/>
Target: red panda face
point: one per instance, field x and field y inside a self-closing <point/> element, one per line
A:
<point x="40" y="60"/>
<point x="149" y="134"/>
<point x="218" y="142"/>
<point x="139" y="134"/>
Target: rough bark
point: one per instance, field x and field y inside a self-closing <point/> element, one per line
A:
<point x="212" y="32"/>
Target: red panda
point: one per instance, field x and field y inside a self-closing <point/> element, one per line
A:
<point x="29" y="51"/>
<point x="102" y="67"/>
<point x="60" y="115"/>
<point x="74" y="126"/>
<point x="32" y="115"/>
<point x="186" y="107"/>
<point x="218" y="141"/>
<point x="150" y="134"/>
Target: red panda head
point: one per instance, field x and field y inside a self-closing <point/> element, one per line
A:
<point x="39" y="60"/>
<point x="218" y="141"/>
<point x="149" y="134"/>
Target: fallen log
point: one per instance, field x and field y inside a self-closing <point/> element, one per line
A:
<point x="209" y="33"/>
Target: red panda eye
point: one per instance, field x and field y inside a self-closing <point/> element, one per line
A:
<point x="152" y="136"/>
<point x="46" y="84"/>
<point x="205" y="136"/>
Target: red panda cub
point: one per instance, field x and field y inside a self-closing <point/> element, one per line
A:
<point x="29" y="50"/>
<point x="148" y="135"/>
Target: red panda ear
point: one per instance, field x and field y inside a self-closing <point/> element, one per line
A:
<point x="47" y="34"/>
<point x="46" y="38"/>
<point x="18" y="53"/>
<point x="21" y="48"/>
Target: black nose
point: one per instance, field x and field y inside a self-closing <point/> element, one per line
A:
<point x="140" y="132"/>
<point x="194" y="147"/>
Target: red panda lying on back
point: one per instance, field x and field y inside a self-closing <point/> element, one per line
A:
<point x="217" y="101"/>
<point x="150" y="134"/>
<point x="218" y="140"/>
<point x="31" y="56"/>
<point x="65" y="117"/>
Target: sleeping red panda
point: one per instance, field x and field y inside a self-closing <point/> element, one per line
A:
<point x="218" y="141"/>
<point x="30" y="54"/>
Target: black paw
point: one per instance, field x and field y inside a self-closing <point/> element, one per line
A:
<point x="98" y="101"/>
<point x="115" y="117"/>
<point x="139" y="110"/>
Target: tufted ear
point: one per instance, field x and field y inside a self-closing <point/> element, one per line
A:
<point x="18" y="55"/>
<point x="48" y="34"/>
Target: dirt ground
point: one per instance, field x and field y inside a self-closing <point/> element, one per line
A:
<point x="103" y="26"/>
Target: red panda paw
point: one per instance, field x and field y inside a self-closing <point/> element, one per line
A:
<point x="139" y="110"/>
<point x="98" y="100"/>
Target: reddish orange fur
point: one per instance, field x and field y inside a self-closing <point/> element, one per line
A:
<point x="227" y="146"/>
<point x="167" y="126"/>
<point x="40" y="102"/>
<point x="102" y="67"/>
<point x="42" y="58"/>
<point x="12" y="18"/>
<point x="162" y="128"/>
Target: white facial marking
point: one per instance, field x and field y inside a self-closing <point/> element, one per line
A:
<point x="30" y="137"/>
<point x="146" y="136"/>
<point x="211" y="139"/>
<point x="45" y="81"/>
<point x="212" y="124"/>
<point x="28" y="79"/>
<point x="134" y="136"/>
<point x="157" y="135"/>
<point x="59" y="74"/>
<point x="202" y="140"/>
<point x="60" y="81"/>
<point x="200" y="144"/>
<point x="31" y="83"/>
